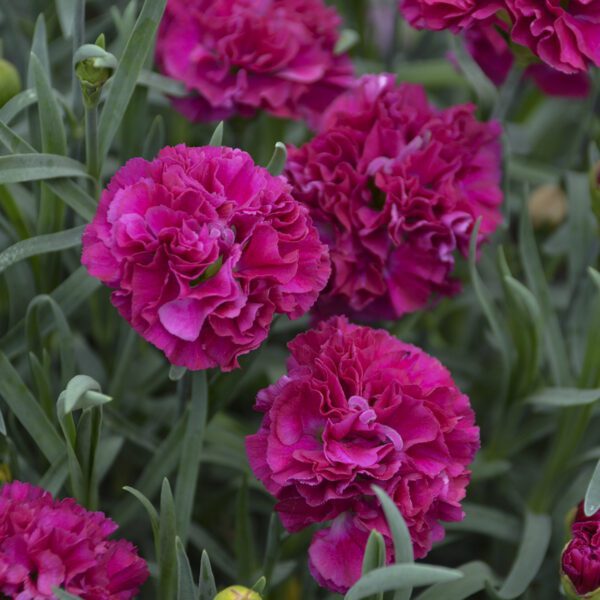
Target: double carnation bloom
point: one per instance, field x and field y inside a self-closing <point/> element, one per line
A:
<point x="47" y="544"/>
<point x="359" y="407"/>
<point x="558" y="40"/>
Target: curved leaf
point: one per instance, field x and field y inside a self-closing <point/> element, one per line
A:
<point x="41" y="244"/>
<point x="396" y="577"/>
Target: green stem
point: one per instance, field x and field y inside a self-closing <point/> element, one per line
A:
<point x="78" y="40"/>
<point x="91" y="145"/>
<point x="573" y="423"/>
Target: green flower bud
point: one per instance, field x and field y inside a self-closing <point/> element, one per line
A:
<point x="10" y="82"/>
<point x="237" y="592"/>
<point x="94" y="66"/>
<point x="5" y="473"/>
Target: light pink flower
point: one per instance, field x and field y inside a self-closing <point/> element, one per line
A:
<point x="359" y="407"/>
<point x="237" y="56"/>
<point x="46" y="543"/>
<point x="202" y="247"/>
<point x="395" y="187"/>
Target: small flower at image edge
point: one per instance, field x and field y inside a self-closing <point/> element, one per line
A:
<point x="359" y="407"/>
<point x="202" y="248"/>
<point x="580" y="562"/>
<point x="237" y="592"/>
<point x="47" y="544"/>
<point x="240" y="56"/>
<point x="395" y="187"/>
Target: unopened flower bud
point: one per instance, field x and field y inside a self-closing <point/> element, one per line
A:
<point x="10" y="82"/>
<point x="547" y="206"/>
<point x="5" y="473"/>
<point x="580" y="561"/>
<point x="93" y="67"/>
<point x="237" y="592"/>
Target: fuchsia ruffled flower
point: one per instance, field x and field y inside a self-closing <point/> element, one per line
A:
<point x="395" y="187"/>
<point x="359" y="407"/>
<point x="580" y="563"/>
<point x="562" y="37"/>
<point x="202" y="248"/>
<point x="46" y="543"/>
<point x="448" y="14"/>
<point x="488" y="46"/>
<point x="238" y="56"/>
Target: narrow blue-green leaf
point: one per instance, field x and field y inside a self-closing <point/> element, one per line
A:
<point x="186" y="588"/>
<point x="162" y="84"/>
<point x="152" y="513"/>
<point x="531" y="553"/>
<point x="555" y="346"/>
<point x="488" y="521"/>
<point x="78" y="396"/>
<point x="19" y="168"/>
<point x="39" y="47"/>
<point x="2" y="425"/>
<point x="127" y="73"/>
<point x="69" y="192"/>
<point x="41" y="244"/>
<point x="62" y="595"/>
<point x="480" y="83"/>
<point x="347" y="40"/>
<point x="65" y="9"/>
<point x="69" y="295"/>
<point x="163" y="461"/>
<point x="403" y="548"/>
<point x="29" y="413"/>
<point x="272" y="547"/>
<point x="217" y="137"/>
<point x="35" y="335"/>
<point x="155" y="140"/>
<point x="243" y="535"/>
<point x="475" y="576"/>
<point x="374" y="556"/>
<point x="259" y="586"/>
<point x="277" y="162"/>
<point x="191" y="453"/>
<point x="167" y="557"/>
<point x="592" y="494"/>
<point x="56" y="475"/>
<point x="54" y="138"/>
<point x="207" y="588"/>
<point x="581" y="226"/>
<point x="17" y="104"/>
<point x="176" y="372"/>
<point x="487" y="304"/>
<point x="563" y="397"/>
<point x="397" y="577"/>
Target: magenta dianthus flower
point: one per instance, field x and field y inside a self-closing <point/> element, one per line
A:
<point x="561" y="38"/>
<point x="47" y="543"/>
<point x="237" y="56"/>
<point x="564" y="35"/>
<point x="202" y="247"/>
<point x="359" y="407"/>
<point x="395" y="187"/>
